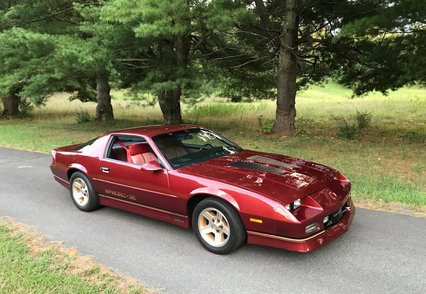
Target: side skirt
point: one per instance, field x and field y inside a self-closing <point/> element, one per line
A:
<point x="64" y="183"/>
<point x="152" y="212"/>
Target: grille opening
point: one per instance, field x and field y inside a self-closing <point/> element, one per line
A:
<point x="336" y="216"/>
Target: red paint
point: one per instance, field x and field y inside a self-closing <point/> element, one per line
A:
<point x="164" y="194"/>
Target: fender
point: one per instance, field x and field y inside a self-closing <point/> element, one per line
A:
<point x="77" y="166"/>
<point x="215" y="192"/>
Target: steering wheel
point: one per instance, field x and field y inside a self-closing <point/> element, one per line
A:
<point x="205" y="146"/>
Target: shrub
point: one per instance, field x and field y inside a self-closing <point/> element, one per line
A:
<point x="236" y="98"/>
<point x="82" y="116"/>
<point x="350" y="129"/>
<point x="266" y="126"/>
<point x="305" y="126"/>
<point x="363" y="119"/>
<point x="25" y="107"/>
<point x="346" y="130"/>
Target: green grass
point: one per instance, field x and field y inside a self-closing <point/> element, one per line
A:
<point x="386" y="162"/>
<point x="22" y="271"/>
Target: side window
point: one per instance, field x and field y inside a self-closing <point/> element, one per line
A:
<point x="130" y="149"/>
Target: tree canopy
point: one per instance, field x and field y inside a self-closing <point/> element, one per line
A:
<point x="256" y="48"/>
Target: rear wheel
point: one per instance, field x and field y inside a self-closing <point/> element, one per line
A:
<point x="217" y="226"/>
<point x="82" y="193"/>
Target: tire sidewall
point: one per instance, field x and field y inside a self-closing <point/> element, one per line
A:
<point x="93" y="202"/>
<point x="237" y="230"/>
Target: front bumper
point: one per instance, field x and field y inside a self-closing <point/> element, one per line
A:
<point x="307" y="244"/>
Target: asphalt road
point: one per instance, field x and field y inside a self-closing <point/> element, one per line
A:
<point x="382" y="252"/>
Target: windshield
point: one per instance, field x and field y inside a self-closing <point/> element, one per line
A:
<point x="193" y="146"/>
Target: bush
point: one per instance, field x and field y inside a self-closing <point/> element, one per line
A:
<point x="350" y="130"/>
<point x="305" y="126"/>
<point x="266" y="126"/>
<point x="25" y="107"/>
<point x="82" y="116"/>
<point x="236" y="98"/>
<point x="363" y="119"/>
<point x="346" y="130"/>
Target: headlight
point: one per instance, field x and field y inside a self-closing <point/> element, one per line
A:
<point x="294" y="205"/>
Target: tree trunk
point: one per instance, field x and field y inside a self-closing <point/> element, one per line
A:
<point x="11" y="102"/>
<point x="104" y="108"/>
<point x="169" y="99"/>
<point x="287" y="73"/>
<point x="170" y="106"/>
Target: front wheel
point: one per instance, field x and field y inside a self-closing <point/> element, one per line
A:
<point x="217" y="226"/>
<point x="82" y="193"/>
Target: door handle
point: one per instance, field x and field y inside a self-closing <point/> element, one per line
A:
<point x="105" y="169"/>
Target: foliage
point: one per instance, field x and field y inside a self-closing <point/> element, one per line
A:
<point x="370" y="45"/>
<point x="26" y="107"/>
<point x="350" y="130"/>
<point x="266" y="126"/>
<point x="59" y="45"/>
<point x="363" y="119"/>
<point x="163" y="30"/>
<point x="390" y="45"/>
<point x="181" y="50"/>
<point x="305" y="126"/>
<point x="82" y="116"/>
<point x="345" y="129"/>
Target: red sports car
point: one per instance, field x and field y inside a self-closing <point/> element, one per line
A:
<point x="190" y="176"/>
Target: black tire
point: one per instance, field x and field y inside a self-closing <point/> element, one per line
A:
<point x="86" y="199"/>
<point x="237" y="233"/>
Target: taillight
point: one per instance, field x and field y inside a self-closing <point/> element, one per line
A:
<point x="53" y="156"/>
<point x="341" y="177"/>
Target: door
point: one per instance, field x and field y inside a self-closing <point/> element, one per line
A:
<point x="121" y="179"/>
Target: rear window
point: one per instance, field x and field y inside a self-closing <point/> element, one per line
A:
<point x="83" y="146"/>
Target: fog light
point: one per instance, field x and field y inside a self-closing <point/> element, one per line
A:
<point x="311" y="228"/>
<point x="326" y="219"/>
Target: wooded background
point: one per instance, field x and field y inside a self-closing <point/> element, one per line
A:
<point x="183" y="49"/>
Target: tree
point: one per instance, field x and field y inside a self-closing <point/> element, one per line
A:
<point x="10" y="98"/>
<point x="68" y="49"/>
<point x="169" y="34"/>
<point x="391" y="47"/>
<point x="291" y="44"/>
<point x="22" y="53"/>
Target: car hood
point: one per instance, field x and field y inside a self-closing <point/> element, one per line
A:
<point x="280" y="177"/>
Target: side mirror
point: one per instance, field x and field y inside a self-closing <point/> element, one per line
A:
<point x="151" y="166"/>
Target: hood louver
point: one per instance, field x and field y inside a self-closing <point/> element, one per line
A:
<point x="257" y="167"/>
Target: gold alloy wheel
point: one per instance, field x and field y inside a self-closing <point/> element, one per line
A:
<point x="214" y="227"/>
<point x="80" y="192"/>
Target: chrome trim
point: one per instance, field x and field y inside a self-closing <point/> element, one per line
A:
<point x="145" y="206"/>
<point x="285" y="238"/>
<point x="140" y="189"/>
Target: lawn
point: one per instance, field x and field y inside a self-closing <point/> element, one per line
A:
<point x="386" y="161"/>
<point x="30" y="264"/>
